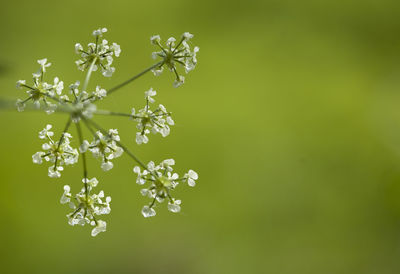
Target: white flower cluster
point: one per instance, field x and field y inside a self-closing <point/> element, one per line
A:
<point x="173" y="54"/>
<point x="83" y="101"/>
<point x="60" y="153"/>
<point x="79" y="105"/>
<point x="157" y="121"/>
<point x="98" y="54"/>
<point x="83" y="96"/>
<point x="104" y="147"/>
<point x="162" y="181"/>
<point x="87" y="206"/>
<point x="40" y="91"/>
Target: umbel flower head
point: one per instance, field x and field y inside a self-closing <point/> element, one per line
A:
<point x="174" y="54"/>
<point x="98" y="54"/>
<point x="59" y="153"/>
<point x="161" y="181"/>
<point x="104" y="147"/>
<point x="157" y="121"/>
<point x="40" y="91"/>
<point x="79" y="104"/>
<point x="86" y="206"/>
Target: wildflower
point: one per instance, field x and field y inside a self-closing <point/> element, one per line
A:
<point x="173" y="54"/>
<point x="100" y="227"/>
<point x="148" y="212"/>
<point x="148" y="94"/>
<point x="191" y="177"/>
<point x="158" y="121"/>
<point x="83" y="105"/>
<point x="40" y="91"/>
<point x="104" y="147"/>
<point x="60" y="153"/>
<point x="98" y="54"/>
<point x="87" y="206"/>
<point x="158" y="180"/>
<point x="174" y="206"/>
<point x="43" y="64"/>
<point x="58" y="85"/>
<point x="161" y="181"/>
<point x="66" y="197"/>
<point x="99" y="32"/>
<point x="100" y="93"/>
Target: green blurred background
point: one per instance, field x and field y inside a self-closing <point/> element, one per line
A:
<point x="291" y="119"/>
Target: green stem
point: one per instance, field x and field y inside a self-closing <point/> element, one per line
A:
<point x="61" y="139"/>
<point x="112" y="113"/>
<point x="85" y="84"/>
<point x="134" y="78"/>
<point x="85" y="177"/>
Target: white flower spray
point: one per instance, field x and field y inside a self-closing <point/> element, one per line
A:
<point x="80" y="106"/>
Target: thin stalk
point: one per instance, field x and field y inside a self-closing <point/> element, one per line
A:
<point x="85" y="84"/>
<point x="85" y="177"/>
<point x="62" y="138"/>
<point x="134" y="78"/>
<point x="54" y="98"/>
<point x="112" y="113"/>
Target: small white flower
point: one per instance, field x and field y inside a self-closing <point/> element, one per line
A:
<point x="174" y="206"/>
<point x="54" y="172"/>
<point x="58" y="85"/>
<point x="108" y="72"/>
<point x="116" y="48"/>
<point x="179" y="81"/>
<point x="171" y="42"/>
<point x="37" y="74"/>
<point x="142" y="138"/>
<point x="66" y="197"/>
<point x="158" y="71"/>
<point x="20" y="105"/>
<point x="162" y="181"/>
<point x="141" y="179"/>
<point x="84" y="146"/>
<point x="100" y="92"/>
<point x="148" y="94"/>
<point x="101" y="53"/>
<point x="78" y="48"/>
<point x="105" y="147"/>
<point x="58" y="152"/>
<point x="106" y="166"/>
<point x="87" y="206"/>
<point x="100" y="227"/>
<point x="74" y="88"/>
<point x="155" y="39"/>
<point x="148" y="212"/>
<point x="157" y="121"/>
<point x="90" y="182"/>
<point x="187" y="35"/>
<point x="43" y="64"/>
<point x="37" y="158"/>
<point x="20" y="83"/>
<point x="40" y="91"/>
<point x="45" y="133"/>
<point x="172" y="56"/>
<point x="99" y="32"/>
<point x="191" y="177"/>
<point x="168" y="163"/>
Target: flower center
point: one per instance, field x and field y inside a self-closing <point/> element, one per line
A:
<point x="164" y="181"/>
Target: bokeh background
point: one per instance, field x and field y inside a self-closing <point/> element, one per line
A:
<point x="291" y="119"/>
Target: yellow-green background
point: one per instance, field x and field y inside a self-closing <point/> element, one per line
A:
<point x="291" y="118"/>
